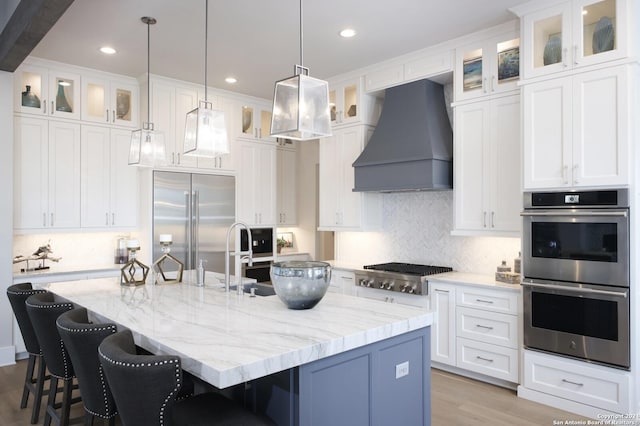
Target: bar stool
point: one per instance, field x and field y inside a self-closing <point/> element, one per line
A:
<point x="145" y="387"/>
<point x="18" y="294"/>
<point x="81" y="338"/>
<point x="44" y="309"/>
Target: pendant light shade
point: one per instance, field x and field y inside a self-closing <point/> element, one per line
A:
<point x="147" y="145"/>
<point x="205" y="133"/>
<point x="301" y="107"/>
<point x="301" y="104"/>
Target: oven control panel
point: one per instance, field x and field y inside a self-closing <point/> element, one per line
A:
<point x="392" y="282"/>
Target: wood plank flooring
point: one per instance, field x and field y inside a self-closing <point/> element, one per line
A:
<point x="455" y="401"/>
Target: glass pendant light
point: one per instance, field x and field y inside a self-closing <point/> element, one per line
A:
<point x="301" y="104"/>
<point x="147" y="145"/>
<point x="205" y="133"/>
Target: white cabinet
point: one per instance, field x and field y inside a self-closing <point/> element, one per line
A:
<point x="487" y="195"/>
<point x="487" y="67"/>
<point x="47" y="92"/>
<point x="109" y="186"/>
<point x="47" y="174"/>
<point x="574" y="34"/>
<point x="476" y="329"/>
<point x="349" y="104"/>
<point x="256" y="184"/>
<point x="287" y="187"/>
<point x="110" y="101"/>
<point x="340" y="207"/>
<point x="576" y="130"/>
<point x="589" y="384"/>
<point x="443" y="330"/>
<point x="342" y="281"/>
<point x="254" y="121"/>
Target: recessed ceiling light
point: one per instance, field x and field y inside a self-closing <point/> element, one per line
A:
<point x="107" y="50"/>
<point x="347" y="33"/>
<point x="231" y="80"/>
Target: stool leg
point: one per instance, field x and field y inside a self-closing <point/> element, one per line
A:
<point x="37" y="398"/>
<point x="28" y="380"/>
<point x="66" y="402"/>
<point x="88" y="419"/>
<point x="53" y="389"/>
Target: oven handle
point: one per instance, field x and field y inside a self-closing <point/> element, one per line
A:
<point x="574" y="213"/>
<point x="577" y="290"/>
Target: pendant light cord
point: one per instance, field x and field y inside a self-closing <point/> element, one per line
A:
<point x="206" y="38"/>
<point x="148" y="71"/>
<point x="301" y="40"/>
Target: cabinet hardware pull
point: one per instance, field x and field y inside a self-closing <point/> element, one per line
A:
<point x="113" y="114"/>
<point x="106" y="219"/>
<point x="565" y="175"/>
<point x="52" y="108"/>
<point x="578" y="214"/>
<point x="178" y="155"/>
<point x="575" y="173"/>
<point x="484" y="326"/>
<point x="572" y="383"/>
<point x="565" y="53"/>
<point x="44" y="219"/>
<point x="113" y="218"/>
<point x="51" y="219"/>
<point x="484" y="219"/>
<point x="485" y="301"/>
<point x="44" y="104"/>
<point x="575" y="54"/>
<point x="484" y="85"/>
<point x="107" y="119"/>
<point x="173" y="158"/>
<point x="493" y="83"/>
<point x="483" y="359"/>
<point x="493" y="224"/>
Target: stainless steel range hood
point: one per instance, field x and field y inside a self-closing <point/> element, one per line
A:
<point x="411" y="148"/>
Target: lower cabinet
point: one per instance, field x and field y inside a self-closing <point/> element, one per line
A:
<point x="476" y="329"/>
<point x="342" y="281"/>
<point x="589" y="384"/>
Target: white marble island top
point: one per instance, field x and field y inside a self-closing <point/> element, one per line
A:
<point x="227" y="339"/>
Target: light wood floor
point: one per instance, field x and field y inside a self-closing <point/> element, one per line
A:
<point x="455" y="400"/>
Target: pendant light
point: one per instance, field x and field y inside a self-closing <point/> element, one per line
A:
<point x="147" y="145"/>
<point x="205" y="133"/>
<point x="301" y="104"/>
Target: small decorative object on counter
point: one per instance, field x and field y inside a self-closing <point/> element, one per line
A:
<point x="517" y="262"/>
<point x="134" y="272"/>
<point x="505" y="275"/>
<point x="120" y="256"/>
<point x="166" y="262"/>
<point x="300" y="284"/>
<point x="200" y="271"/>
<point x="42" y="254"/>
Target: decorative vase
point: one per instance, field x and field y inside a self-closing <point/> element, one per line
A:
<point x="29" y="99"/>
<point x="61" y="101"/>
<point x="122" y="105"/>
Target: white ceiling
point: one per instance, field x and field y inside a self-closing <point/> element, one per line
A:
<point x="257" y="41"/>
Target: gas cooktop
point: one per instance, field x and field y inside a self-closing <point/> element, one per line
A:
<point x="401" y="277"/>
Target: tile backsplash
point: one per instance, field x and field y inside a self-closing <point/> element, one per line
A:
<point x="417" y="229"/>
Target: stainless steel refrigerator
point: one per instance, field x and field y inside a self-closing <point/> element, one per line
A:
<point x="196" y="210"/>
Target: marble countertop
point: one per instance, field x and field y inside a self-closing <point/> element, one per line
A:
<point x="58" y="270"/>
<point x="485" y="280"/>
<point x="226" y="338"/>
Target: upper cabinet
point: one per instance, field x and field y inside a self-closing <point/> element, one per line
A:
<point x="47" y="92"/>
<point x="573" y="34"/>
<point x="109" y="101"/>
<point x="255" y="121"/>
<point x="487" y="67"/>
<point x="286" y="195"/>
<point x="348" y="104"/>
<point x="576" y="130"/>
<point x="256" y="184"/>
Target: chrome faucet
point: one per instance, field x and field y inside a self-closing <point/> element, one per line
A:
<point x="241" y="256"/>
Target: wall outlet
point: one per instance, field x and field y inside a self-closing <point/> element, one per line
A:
<point x="402" y="369"/>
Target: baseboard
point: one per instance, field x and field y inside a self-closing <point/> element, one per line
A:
<point x="566" y="405"/>
<point x="7" y="355"/>
<point x="474" y="375"/>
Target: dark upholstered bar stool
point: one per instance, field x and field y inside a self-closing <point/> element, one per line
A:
<point x="44" y="309"/>
<point x="145" y="388"/>
<point x="18" y="294"/>
<point x="82" y="338"/>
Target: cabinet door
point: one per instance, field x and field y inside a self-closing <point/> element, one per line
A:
<point x="247" y="176"/>
<point x="64" y="94"/>
<point x="124" y="97"/>
<point x="163" y="116"/>
<point x="287" y="187"/>
<point x="95" y="177"/>
<point x="31" y="86"/>
<point x="186" y="100"/>
<point x="547" y="128"/>
<point x="266" y="183"/>
<point x="329" y="181"/>
<point x="350" y="143"/>
<point x="600" y="138"/>
<point x="256" y="184"/>
<point x="344" y="102"/>
<point x="64" y="175"/>
<point x="599" y="31"/>
<point x="505" y="194"/>
<point x="96" y="105"/>
<point x="31" y="159"/>
<point x="123" y="182"/>
<point x="443" y="330"/>
<point x="471" y="135"/>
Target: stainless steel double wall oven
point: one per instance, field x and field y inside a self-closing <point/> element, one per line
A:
<point x="575" y="265"/>
<point x="262" y="247"/>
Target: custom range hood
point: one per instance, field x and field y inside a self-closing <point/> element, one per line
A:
<point x="411" y="148"/>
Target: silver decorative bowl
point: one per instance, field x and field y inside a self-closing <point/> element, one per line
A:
<point x="300" y="284"/>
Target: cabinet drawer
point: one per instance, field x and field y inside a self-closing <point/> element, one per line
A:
<point x="595" y="385"/>
<point x="491" y="300"/>
<point x="490" y="327"/>
<point x="485" y="358"/>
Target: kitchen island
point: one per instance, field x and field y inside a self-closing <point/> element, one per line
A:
<point x="346" y="361"/>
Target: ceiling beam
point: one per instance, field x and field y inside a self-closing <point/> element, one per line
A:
<point x="29" y="23"/>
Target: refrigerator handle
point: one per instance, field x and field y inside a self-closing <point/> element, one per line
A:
<point x="188" y="255"/>
<point x="196" y="226"/>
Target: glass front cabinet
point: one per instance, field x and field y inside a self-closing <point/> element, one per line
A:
<point x="488" y="67"/>
<point x="574" y="34"/>
<point x="110" y="102"/>
<point x="47" y="92"/>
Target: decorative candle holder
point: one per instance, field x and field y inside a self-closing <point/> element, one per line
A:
<point x="131" y="271"/>
<point x="165" y="261"/>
